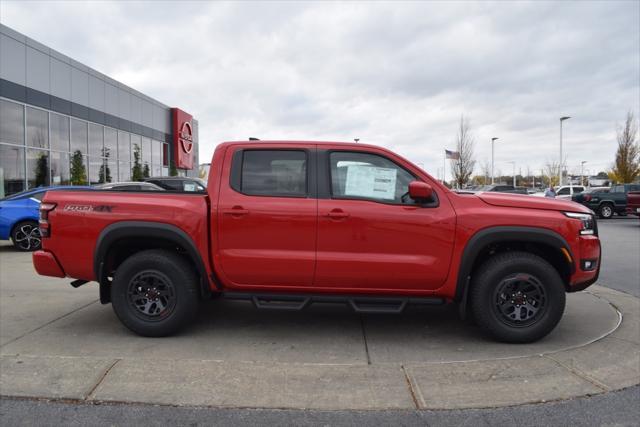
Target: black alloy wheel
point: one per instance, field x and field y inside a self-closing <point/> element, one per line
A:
<point x="151" y="295"/>
<point x="155" y="292"/>
<point x="520" y="300"/>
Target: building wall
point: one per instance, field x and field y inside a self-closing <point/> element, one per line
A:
<point x="49" y="94"/>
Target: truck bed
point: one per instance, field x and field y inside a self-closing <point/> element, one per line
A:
<point x="80" y="216"/>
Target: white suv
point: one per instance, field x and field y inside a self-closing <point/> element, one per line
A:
<point x="566" y="191"/>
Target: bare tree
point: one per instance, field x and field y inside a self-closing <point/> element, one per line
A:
<point x="465" y="142"/>
<point x="626" y="166"/>
<point x="551" y="171"/>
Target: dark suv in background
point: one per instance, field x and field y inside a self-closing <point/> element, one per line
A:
<point x="606" y="202"/>
<point x="178" y="183"/>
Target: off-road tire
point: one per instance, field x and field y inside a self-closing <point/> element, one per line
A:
<point x="484" y="296"/>
<point x="605" y="211"/>
<point x="149" y="268"/>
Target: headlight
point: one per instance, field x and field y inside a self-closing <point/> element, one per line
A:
<point x="588" y="222"/>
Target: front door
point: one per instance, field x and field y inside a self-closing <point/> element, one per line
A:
<point x="372" y="236"/>
<point x="267" y="217"/>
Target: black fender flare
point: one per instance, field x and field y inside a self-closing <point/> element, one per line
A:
<point x="491" y="235"/>
<point x="145" y="229"/>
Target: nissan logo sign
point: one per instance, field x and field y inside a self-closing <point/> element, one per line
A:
<point x="186" y="137"/>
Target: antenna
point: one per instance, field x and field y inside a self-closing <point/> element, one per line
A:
<point x="251" y="138"/>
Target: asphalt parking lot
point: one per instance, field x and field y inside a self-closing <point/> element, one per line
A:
<point x="59" y="343"/>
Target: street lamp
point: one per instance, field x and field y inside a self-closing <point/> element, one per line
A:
<point x="582" y="172"/>
<point x="513" y="163"/>
<point x="562" y="119"/>
<point x="492" y="141"/>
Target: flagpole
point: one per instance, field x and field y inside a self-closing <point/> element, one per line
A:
<point x="444" y="166"/>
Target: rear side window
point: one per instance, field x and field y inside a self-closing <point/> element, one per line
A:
<point x="274" y="173"/>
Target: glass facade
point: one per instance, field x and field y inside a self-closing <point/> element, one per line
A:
<point x="37" y="148"/>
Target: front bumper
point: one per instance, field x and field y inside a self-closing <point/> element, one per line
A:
<point x="590" y="250"/>
<point x="46" y="264"/>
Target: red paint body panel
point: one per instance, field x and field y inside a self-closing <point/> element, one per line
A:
<point x="46" y="264"/>
<point x="288" y="244"/>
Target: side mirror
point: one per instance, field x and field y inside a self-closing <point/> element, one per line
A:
<point x="420" y="191"/>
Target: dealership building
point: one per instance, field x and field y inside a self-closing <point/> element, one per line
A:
<point x="62" y="123"/>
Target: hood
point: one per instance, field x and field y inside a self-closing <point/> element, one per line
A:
<point x="531" y="202"/>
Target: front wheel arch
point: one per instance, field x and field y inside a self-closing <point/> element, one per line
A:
<point x="540" y="241"/>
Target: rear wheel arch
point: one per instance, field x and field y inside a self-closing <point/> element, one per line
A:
<point x="540" y="241"/>
<point x="120" y="240"/>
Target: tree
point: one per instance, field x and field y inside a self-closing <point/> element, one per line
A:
<point x="78" y="171"/>
<point x="172" y="169"/>
<point x="104" y="174"/>
<point x="42" y="170"/>
<point x="551" y="170"/>
<point x="463" y="167"/>
<point x="145" y="170"/>
<point x="136" y="170"/>
<point x="626" y="167"/>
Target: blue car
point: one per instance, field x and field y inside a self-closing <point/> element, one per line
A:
<point x="19" y="216"/>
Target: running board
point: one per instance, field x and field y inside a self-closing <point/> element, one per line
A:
<point x="359" y="303"/>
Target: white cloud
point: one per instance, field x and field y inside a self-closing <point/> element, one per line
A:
<point x="394" y="74"/>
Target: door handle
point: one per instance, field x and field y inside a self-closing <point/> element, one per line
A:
<point x="338" y="214"/>
<point x="235" y="211"/>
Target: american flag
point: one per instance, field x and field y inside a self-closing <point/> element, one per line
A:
<point x="455" y="155"/>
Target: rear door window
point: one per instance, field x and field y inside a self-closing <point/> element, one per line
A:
<point x="278" y="173"/>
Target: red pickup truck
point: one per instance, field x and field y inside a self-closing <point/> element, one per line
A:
<point x="633" y="203"/>
<point x="285" y="224"/>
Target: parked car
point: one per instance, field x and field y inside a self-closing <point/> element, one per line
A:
<point x="605" y="204"/>
<point x="587" y="193"/>
<point x="178" y="183"/>
<point x="633" y="203"/>
<point x="19" y="216"/>
<point x="129" y="186"/>
<point x="288" y="224"/>
<point x="503" y="188"/>
<point x="566" y="192"/>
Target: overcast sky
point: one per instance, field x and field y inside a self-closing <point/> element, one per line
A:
<point x="394" y="74"/>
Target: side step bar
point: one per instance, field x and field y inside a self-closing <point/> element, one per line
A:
<point x="359" y="303"/>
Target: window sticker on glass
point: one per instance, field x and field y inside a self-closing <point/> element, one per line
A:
<point x="371" y="181"/>
<point x="189" y="186"/>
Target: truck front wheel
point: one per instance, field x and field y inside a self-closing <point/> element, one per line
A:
<point x="155" y="293"/>
<point x="517" y="297"/>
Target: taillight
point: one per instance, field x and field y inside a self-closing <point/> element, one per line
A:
<point x="587" y="197"/>
<point x="44" y="225"/>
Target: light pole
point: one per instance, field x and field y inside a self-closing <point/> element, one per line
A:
<point x="582" y="172"/>
<point x="513" y="163"/>
<point x="562" y="119"/>
<point x="492" y="141"/>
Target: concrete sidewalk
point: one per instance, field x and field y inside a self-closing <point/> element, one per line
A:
<point x="58" y="342"/>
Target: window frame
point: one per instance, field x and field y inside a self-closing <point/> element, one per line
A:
<point x="329" y="181"/>
<point x="237" y="166"/>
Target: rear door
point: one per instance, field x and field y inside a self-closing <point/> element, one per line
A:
<point x="370" y="234"/>
<point x="267" y="216"/>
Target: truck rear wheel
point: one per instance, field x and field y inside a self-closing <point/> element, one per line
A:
<point x="155" y="293"/>
<point x="517" y="297"/>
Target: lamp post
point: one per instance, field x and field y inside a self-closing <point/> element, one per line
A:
<point x="582" y="172"/>
<point x="562" y="119"/>
<point x="492" y="141"/>
<point x="513" y="163"/>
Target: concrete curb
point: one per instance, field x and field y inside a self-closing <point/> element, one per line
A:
<point x="605" y="363"/>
